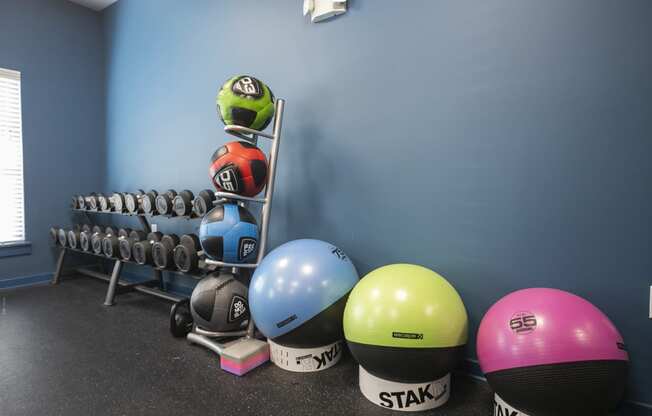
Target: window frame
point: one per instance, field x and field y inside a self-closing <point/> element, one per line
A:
<point x="19" y="247"/>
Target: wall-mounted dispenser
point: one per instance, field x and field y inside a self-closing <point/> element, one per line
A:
<point x="323" y="9"/>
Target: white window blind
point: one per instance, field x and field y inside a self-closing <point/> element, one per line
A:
<point x="12" y="208"/>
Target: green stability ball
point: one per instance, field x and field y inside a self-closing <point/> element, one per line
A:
<point x="405" y="323"/>
<point x="245" y="101"/>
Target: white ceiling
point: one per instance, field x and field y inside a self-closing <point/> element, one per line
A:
<point x="95" y="4"/>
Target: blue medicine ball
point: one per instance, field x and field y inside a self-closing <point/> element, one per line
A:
<point x="229" y="233"/>
<point x="298" y="293"/>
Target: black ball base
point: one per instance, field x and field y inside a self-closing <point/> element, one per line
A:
<point x="585" y="388"/>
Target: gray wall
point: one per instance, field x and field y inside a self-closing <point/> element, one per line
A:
<point x="58" y="48"/>
<point x="504" y="144"/>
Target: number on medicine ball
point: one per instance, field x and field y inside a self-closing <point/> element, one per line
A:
<point x="247" y="85"/>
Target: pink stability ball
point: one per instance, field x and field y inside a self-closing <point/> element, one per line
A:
<point x="549" y="352"/>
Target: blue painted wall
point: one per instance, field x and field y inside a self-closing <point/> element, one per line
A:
<point x="504" y="144"/>
<point x="58" y="47"/>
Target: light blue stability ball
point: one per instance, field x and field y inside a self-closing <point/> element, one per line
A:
<point x="298" y="293"/>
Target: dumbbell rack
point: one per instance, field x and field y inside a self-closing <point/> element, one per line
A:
<point x="115" y="285"/>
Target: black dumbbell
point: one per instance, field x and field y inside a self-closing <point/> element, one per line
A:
<point x="186" y="253"/>
<point x="162" y="251"/>
<point x="182" y="203"/>
<point x="91" y="202"/>
<point x="164" y="202"/>
<point x="204" y="202"/>
<point x="97" y="239"/>
<point x="63" y="237"/>
<point x="54" y="235"/>
<point x="118" y="202"/>
<point x="148" y="202"/>
<point x="86" y="235"/>
<point x="132" y="201"/>
<point x="73" y="238"/>
<point x="142" y="250"/>
<point x="126" y="243"/>
<point x="81" y="202"/>
<point x="74" y="203"/>
<point x="138" y="235"/>
<point x="124" y="232"/>
<point x="110" y="242"/>
<point x="85" y="240"/>
<point x="104" y="203"/>
<point x="110" y="246"/>
<point x="181" y="319"/>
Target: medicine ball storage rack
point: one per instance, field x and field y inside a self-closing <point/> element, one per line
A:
<point x="242" y="354"/>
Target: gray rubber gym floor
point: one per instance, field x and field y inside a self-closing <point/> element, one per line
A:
<point x="63" y="353"/>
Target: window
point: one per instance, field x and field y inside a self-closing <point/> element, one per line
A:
<point x="12" y="208"/>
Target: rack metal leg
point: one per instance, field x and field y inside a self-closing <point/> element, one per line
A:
<point x="57" y="273"/>
<point x="158" y="275"/>
<point x="113" y="283"/>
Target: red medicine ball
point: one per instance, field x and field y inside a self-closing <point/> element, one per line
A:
<point x="240" y="168"/>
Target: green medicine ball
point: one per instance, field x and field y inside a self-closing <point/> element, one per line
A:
<point x="245" y="101"/>
<point x="405" y="323"/>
